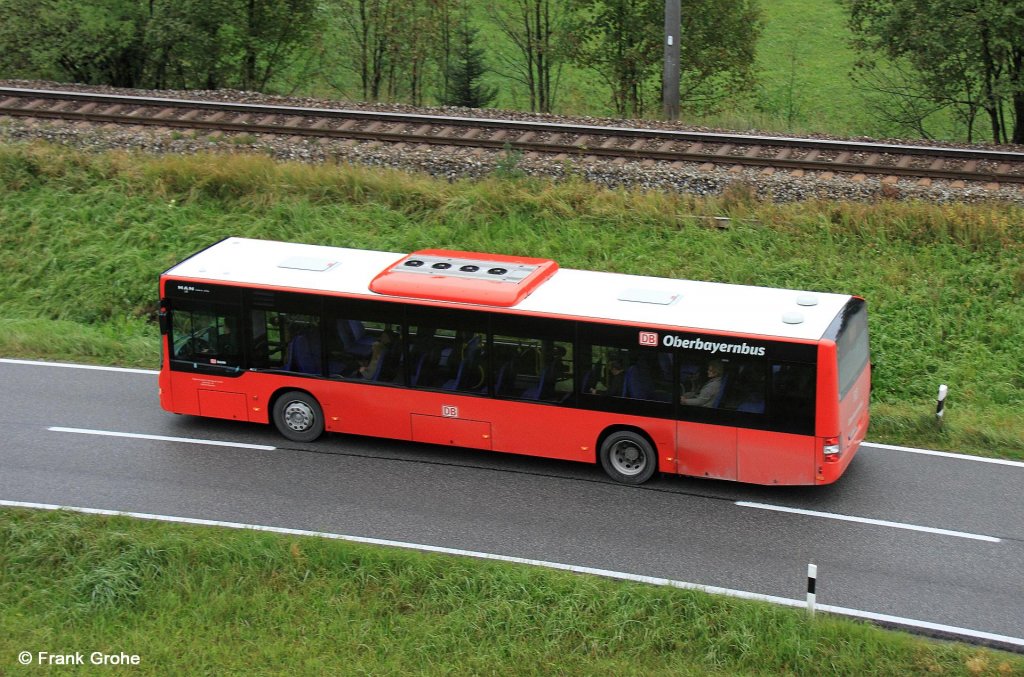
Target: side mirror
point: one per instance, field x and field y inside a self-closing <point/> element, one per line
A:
<point x="164" y="318"/>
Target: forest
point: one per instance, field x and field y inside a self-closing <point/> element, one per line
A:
<point x="913" y="68"/>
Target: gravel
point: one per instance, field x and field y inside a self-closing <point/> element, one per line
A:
<point x="452" y="163"/>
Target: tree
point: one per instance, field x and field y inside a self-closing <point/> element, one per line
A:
<point x="718" y="43"/>
<point x="270" y="31"/>
<point x="417" y="37"/>
<point x="154" y="43"/>
<point x="397" y="49"/>
<point x="532" y="27"/>
<point x="92" y="43"/>
<point x="368" y="23"/>
<point x="621" y="40"/>
<point x="465" y="70"/>
<point x="963" y="55"/>
<point x="445" y="15"/>
<point x="194" y="44"/>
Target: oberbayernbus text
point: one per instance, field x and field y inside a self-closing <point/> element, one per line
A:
<point x="514" y="354"/>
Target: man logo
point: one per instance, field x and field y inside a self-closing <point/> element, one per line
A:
<point x="648" y="338"/>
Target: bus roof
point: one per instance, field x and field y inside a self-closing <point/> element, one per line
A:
<point x="541" y="288"/>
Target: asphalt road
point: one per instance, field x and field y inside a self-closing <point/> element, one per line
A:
<point x="961" y="565"/>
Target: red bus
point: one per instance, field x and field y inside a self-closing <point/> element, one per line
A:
<point x="514" y="354"/>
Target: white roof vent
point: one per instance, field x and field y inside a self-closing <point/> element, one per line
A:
<point x="807" y="300"/>
<point x="793" y="318"/>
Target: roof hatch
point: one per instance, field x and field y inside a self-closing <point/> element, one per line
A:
<point x="464" y="277"/>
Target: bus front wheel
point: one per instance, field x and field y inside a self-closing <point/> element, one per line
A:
<point x="628" y="457"/>
<point x="298" y="416"/>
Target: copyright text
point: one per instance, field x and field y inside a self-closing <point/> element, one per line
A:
<point x="77" y="658"/>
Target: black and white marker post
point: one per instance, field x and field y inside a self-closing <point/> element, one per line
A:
<point x="940" y="403"/>
<point x="812" y="577"/>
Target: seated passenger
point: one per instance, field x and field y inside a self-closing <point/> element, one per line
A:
<point x="614" y="381"/>
<point x="708" y="393"/>
<point x="379" y="352"/>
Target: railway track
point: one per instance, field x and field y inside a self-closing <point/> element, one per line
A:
<point x="960" y="166"/>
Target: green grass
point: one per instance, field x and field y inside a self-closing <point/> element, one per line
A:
<point x="84" y="237"/>
<point x="197" y="600"/>
<point x="804" y="61"/>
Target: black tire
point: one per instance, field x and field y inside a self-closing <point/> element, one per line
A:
<point x="628" y="457"/>
<point x="298" y="416"/>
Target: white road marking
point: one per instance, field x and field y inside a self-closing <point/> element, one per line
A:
<point x="875" y="445"/>
<point x="943" y="454"/>
<point x="868" y="520"/>
<point x="619" y="575"/>
<point x="161" y="438"/>
<point x="66" y="365"/>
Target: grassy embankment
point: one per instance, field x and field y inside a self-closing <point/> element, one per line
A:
<point x="193" y="600"/>
<point x="84" y="237"/>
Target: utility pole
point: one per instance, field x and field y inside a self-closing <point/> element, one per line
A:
<point x="670" y="75"/>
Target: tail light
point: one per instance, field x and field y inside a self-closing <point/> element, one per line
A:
<point x="831" y="449"/>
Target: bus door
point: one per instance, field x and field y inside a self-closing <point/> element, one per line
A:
<point x="709" y="391"/>
<point x="205" y="352"/>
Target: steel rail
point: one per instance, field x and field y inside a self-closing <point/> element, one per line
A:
<point x="13" y="99"/>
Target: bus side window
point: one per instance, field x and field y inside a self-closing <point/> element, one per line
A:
<point x="619" y="372"/>
<point x="303" y="353"/>
<point x="530" y="368"/>
<point x="288" y="341"/>
<point x="452" y="357"/>
<point x="746" y="389"/>
<point x="792" y="393"/>
<point x="533" y="359"/>
<point x="723" y="383"/>
<point x="364" y="349"/>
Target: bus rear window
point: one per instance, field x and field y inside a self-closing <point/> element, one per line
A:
<point x="852" y="345"/>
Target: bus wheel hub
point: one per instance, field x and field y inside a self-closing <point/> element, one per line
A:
<point x="298" y="416"/>
<point x="627" y="458"/>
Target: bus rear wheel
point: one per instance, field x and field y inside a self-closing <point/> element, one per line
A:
<point x="298" y="416"/>
<point x="628" y="457"/>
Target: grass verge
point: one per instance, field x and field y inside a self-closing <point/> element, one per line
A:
<point x="287" y="605"/>
<point x="83" y="238"/>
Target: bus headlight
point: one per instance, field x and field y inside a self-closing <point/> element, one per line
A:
<point x="831" y="449"/>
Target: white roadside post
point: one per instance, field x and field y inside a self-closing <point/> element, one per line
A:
<point x="812" y="576"/>
<point x="940" y="403"/>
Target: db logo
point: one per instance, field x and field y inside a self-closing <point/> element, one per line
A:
<point x="449" y="411"/>
<point x="648" y="338"/>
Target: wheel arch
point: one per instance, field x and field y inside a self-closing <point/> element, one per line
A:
<point x="276" y="395"/>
